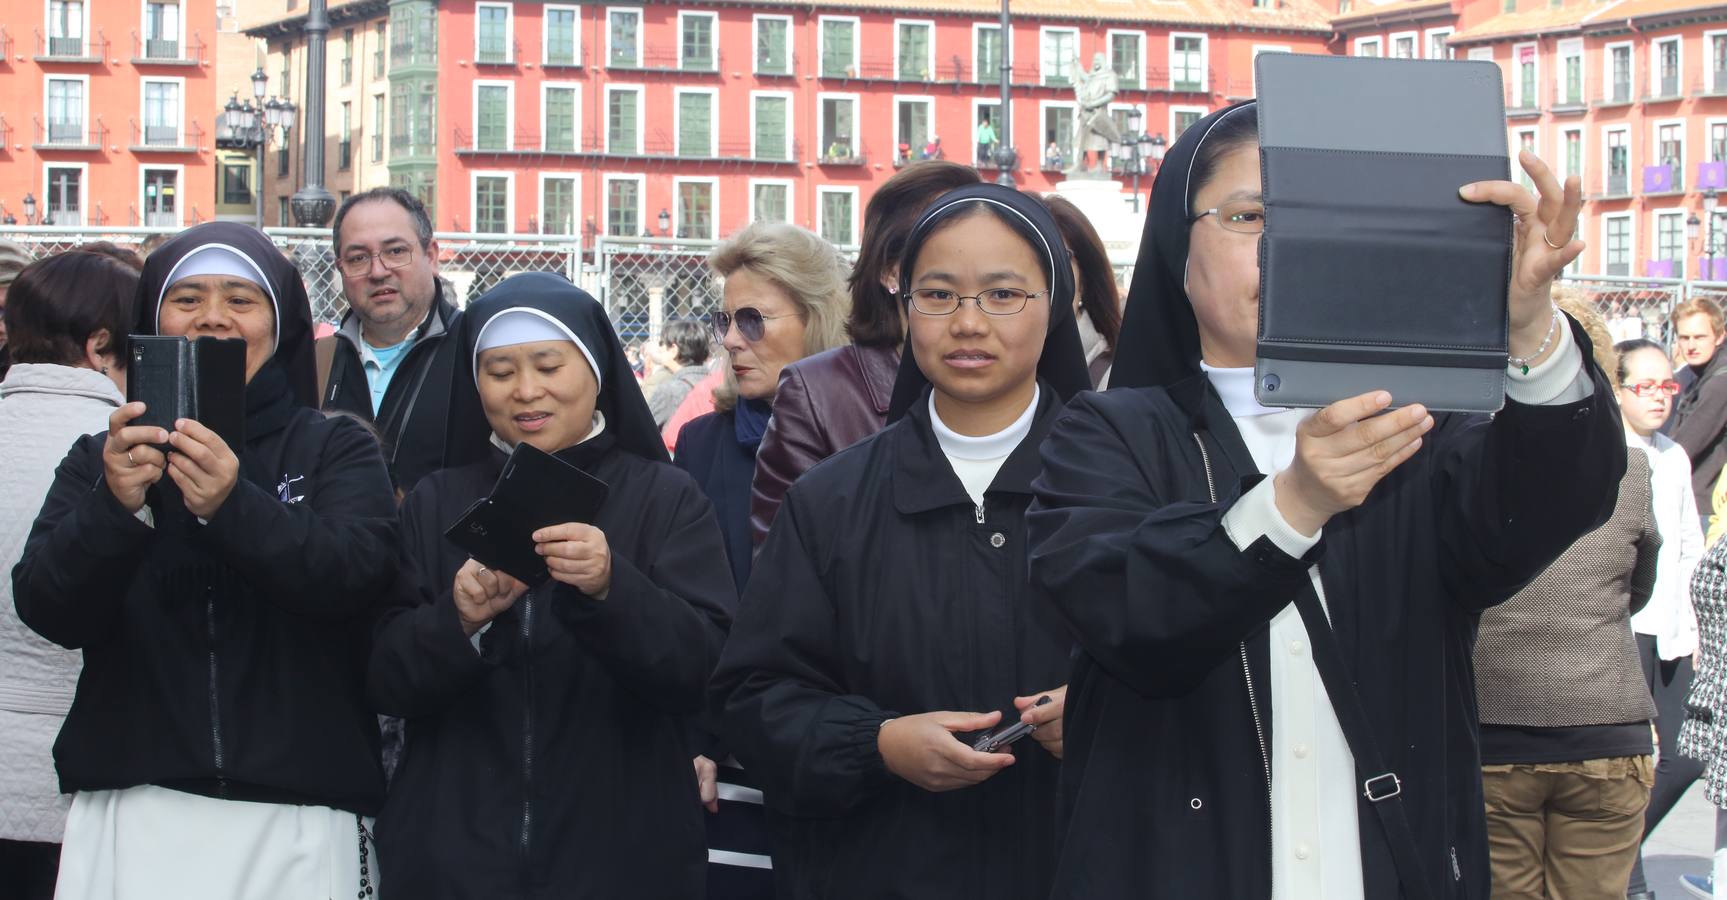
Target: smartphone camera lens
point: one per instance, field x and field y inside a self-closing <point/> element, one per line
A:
<point x="1271" y="383"/>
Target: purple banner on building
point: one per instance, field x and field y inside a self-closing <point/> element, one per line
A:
<point x="1657" y="179"/>
<point x="1712" y="175"/>
<point x="1658" y="268"/>
<point x="1712" y="269"/>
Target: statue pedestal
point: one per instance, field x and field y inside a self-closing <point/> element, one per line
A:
<point x="1110" y="209"/>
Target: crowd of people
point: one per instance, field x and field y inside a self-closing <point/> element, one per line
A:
<point x="944" y="571"/>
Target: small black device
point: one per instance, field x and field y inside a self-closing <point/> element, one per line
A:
<point x="1003" y="737"/>
<point x="203" y="379"/>
<point x="535" y="490"/>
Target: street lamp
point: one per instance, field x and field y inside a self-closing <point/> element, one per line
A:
<point x="29" y="208"/>
<point x="1693" y="226"/>
<point x="260" y="81"/>
<point x="1709" y="202"/>
<point x="1136" y="148"/>
<point x="1005" y="157"/>
<point x="244" y="125"/>
<point x="665" y="222"/>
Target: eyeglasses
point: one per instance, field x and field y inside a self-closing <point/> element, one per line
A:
<point x="359" y="262"/>
<point x="751" y="323"/>
<point x="995" y="301"/>
<point x="1239" y="216"/>
<point x="1653" y="388"/>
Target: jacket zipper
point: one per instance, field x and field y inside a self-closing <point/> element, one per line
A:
<point x="1247" y="673"/>
<point x="215" y="706"/>
<point x="980" y="514"/>
<point x="527" y="722"/>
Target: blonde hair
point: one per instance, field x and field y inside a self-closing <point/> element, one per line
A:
<point x="1577" y="305"/>
<point x="803" y="265"/>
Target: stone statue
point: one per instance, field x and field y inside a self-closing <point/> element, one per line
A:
<point x="1094" y="132"/>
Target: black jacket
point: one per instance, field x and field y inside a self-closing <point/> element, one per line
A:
<point x="415" y="410"/>
<point x="1700" y="426"/>
<point x="554" y="762"/>
<point x="709" y="450"/>
<point x="883" y="591"/>
<point x="1165" y="791"/>
<point x="225" y="659"/>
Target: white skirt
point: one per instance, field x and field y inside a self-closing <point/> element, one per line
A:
<point x="152" y="843"/>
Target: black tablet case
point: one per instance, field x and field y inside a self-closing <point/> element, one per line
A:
<point x="1374" y="273"/>
<point x="534" y="490"/>
<point x="203" y="379"/>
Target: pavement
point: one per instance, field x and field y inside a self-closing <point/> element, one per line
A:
<point x="1683" y="845"/>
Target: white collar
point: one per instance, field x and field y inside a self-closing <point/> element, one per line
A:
<point x="1235" y="386"/>
<point x="989" y="446"/>
<point x="594" y="432"/>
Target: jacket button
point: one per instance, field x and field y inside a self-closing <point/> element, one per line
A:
<point x="997" y="539"/>
<point x="1196" y="803"/>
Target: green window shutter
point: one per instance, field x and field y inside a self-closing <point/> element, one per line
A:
<point x="494" y="113"/>
<point x="988" y="55"/>
<point x="698" y="43"/>
<point x="771" y="47"/>
<point x="836" y="49"/>
<point x="695" y="119"/>
<point x="561" y="38"/>
<point x="914" y="53"/>
<point x="621" y="123"/>
<point x="561" y="120"/>
<point x="623" y="39"/>
<point x="771" y="128"/>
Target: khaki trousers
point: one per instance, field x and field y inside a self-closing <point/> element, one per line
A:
<point x="1566" y="831"/>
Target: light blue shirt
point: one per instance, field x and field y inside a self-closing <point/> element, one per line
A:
<point x="380" y="364"/>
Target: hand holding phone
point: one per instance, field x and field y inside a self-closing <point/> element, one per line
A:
<point x="922" y="749"/>
<point x="130" y="460"/>
<point x="1002" y="738"/>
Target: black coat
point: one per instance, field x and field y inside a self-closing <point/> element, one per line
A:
<point x="415" y="410"/>
<point x="225" y="659"/>
<point x="1165" y="790"/>
<point x="554" y="763"/>
<point x="881" y="593"/>
<point x="709" y="450"/>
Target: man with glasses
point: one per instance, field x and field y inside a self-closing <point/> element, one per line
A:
<point x="389" y="361"/>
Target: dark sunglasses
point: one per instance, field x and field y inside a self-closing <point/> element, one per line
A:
<point x="751" y="323"/>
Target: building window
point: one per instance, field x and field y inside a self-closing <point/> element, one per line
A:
<point x="1573" y="153"/>
<point x="1619" y="61"/>
<point x="161" y="30"/>
<point x="65" y="111"/>
<point x="380" y="40"/>
<point x="558" y="205"/>
<point x="282" y="161"/>
<point x="161" y="198"/>
<point x="347" y="57"/>
<point x="1187" y="62"/>
<point x="622" y="108"/>
<point x="492" y="33"/>
<point x="492" y="117"/>
<point x="1183" y="119"/>
<point x="1718" y="142"/>
<point x="770" y="202"/>
<point x="1618" y="253"/>
<point x="1670" y="241"/>
<point x="65" y="27"/>
<point x="161" y="114"/>
<point x="491" y="204"/>
<point x="623" y="31"/>
<point x="561" y="36"/>
<point x="1525" y="144"/>
<point x="839" y="128"/>
<point x="1526" y="76"/>
<point x="65" y="192"/>
<point x="696" y="210"/>
<point x="696" y="41"/>
<point x="1368" y="47"/>
<point x="912" y="126"/>
<point x="772" y="128"/>
<point x="773" y="45"/>
<point x="1571" y="63"/>
<point x="986" y="54"/>
<point x="1403" y="46"/>
<point x="377" y="128"/>
<point x="1667" y="63"/>
<point x="915" y="59"/>
<point x="1437" y="46"/>
<point x="623" y="207"/>
<point x="560" y="128"/>
<point x="282" y="217"/>
<point x="1618" y="163"/>
<point x="236" y="183"/>
<point x="1718" y="63"/>
<point x="1670" y="147"/>
<point x="1057" y="136"/>
<point x="838" y="212"/>
<point x="287" y="79"/>
<point x="1060" y="52"/>
<point x="839" y="48"/>
<point x="695" y="124"/>
<point x="345" y="146"/>
<point x="1125" y="54"/>
<point x="414" y="34"/>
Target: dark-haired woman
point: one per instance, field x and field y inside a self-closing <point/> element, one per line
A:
<point x="547" y="753"/>
<point x="1097" y="299"/>
<point x="833" y="399"/>
<point x="888" y="622"/>
<point x="1206" y="749"/>
<point x="69" y="317"/>
<point x="219" y="744"/>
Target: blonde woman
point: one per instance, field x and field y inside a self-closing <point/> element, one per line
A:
<point x="785" y="297"/>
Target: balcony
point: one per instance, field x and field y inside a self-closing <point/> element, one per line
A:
<point x="1618" y="187"/>
<point x="1712" y="176"/>
<point x="1619" y="270"/>
<point x="1663" y="268"/>
<point x="498" y="55"/>
<point x="1714" y="85"/>
<point x="1618" y="95"/>
<point x="840" y="154"/>
<point x="789" y="70"/>
<point x="658" y="145"/>
<point x="59" y="49"/>
<point x="1665" y="89"/>
<point x="165" y="138"/>
<point x="167" y="52"/>
<point x="1663" y="181"/>
<point x="668" y="59"/>
<point x="1568" y="100"/>
<point x="70" y="135"/>
<point x="567" y="58"/>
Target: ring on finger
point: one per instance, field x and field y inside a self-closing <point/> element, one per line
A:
<point x="1549" y="241"/>
<point x="129" y="460"/>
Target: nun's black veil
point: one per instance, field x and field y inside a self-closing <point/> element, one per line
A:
<point x="1062" y="364"/>
<point x="629" y="424"/>
<point x="1159" y="342"/>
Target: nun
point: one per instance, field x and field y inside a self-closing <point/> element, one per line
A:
<point x="547" y="751"/>
<point x="219" y="744"/>
<point x="1272" y="695"/>
<point x="888" y="623"/>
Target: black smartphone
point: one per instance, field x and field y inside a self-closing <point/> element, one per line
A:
<point x="203" y="379"/>
<point x="1005" y="736"/>
<point x="535" y="489"/>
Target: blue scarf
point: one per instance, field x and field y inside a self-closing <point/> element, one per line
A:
<point x="751" y="421"/>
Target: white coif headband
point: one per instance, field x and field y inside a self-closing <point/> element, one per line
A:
<point x="220" y="259"/>
<point x="526" y="325"/>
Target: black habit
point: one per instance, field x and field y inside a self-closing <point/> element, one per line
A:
<point x="553" y="761"/>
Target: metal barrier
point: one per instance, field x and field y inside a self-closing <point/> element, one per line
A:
<point x="1634" y="307"/>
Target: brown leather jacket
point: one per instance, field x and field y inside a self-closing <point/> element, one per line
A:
<point x="824" y="403"/>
